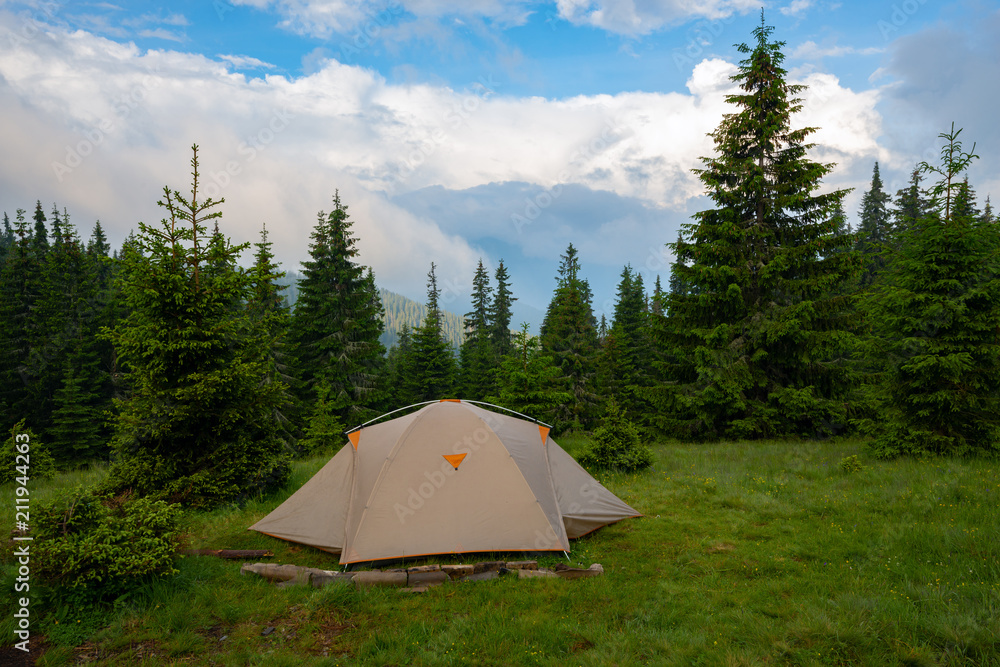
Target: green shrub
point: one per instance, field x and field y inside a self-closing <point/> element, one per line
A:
<point x="33" y="461"/>
<point x="851" y="464"/>
<point x="104" y="543"/>
<point x="616" y="444"/>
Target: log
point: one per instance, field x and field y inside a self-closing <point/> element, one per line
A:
<point x="457" y="571"/>
<point x="368" y="579"/>
<point x="488" y="566"/>
<point x="326" y="578"/>
<point x="426" y="578"/>
<point x="425" y="568"/>
<point x="522" y="565"/>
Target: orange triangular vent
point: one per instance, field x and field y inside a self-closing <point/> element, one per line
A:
<point x="354" y="436"/>
<point x="454" y="459"/>
<point x="544" y="432"/>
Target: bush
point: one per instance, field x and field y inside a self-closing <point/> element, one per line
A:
<point x="104" y="543"/>
<point x="34" y="460"/>
<point x="617" y="445"/>
<point x="851" y="464"/>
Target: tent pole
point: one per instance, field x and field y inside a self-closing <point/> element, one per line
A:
<point x="566" y="554"/>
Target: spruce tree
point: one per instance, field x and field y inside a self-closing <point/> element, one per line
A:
<point x="910" y="206"/>
<point x="337" y="322"/>
<point x="197" y="425"/>
<point x="266" y="308"/>
<point x="873" y="230"/>
<point x="569" y="335"/>
<point x="529" y="381"/>
<point x="757" y="332"/>
<point x="19" y="278"/>
<point x="936" y="321"/>
<point x="432" y="362"/>
<point x="399" y="371"/>
<point x="476" y="351"/>
<point x="40" y="241"/>
<point x="500" y="314"/>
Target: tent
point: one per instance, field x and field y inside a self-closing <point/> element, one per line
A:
<point x="451" y="477"/>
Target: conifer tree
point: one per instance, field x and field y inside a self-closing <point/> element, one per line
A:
<point x="266" y="308"/>
<point x="41" y="238"/>
<point x="910" y="206"/>
<point x="197" y="425"/>
<point x="529" y="381"/>
<point x="476" y="352"/>
<point x="500" y="314"/>
<point x="399" y="371"/>
<point x="873" y="230"/>
<point x="337" y="322"/>
<point x="18" y="296"/>
<point x="936" y="321"/>
<point x="569" y="335"/>
<point x="756" y="334"/>
<point x="432" y="362"/>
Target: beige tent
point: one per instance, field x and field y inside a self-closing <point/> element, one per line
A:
<point x="451" y="477"/>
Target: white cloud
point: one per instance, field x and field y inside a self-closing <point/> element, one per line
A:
<point x="809" y="50"/>
<point x="162" y="33"/>
<point x="245" y="62"/>
<point x="796" y="8"/>
<point x="120" y="123"/>
<point x="628" y="17"/>
<point x="324" y="18"/>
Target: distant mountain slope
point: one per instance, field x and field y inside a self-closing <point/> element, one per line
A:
<point x="398" y="309"/>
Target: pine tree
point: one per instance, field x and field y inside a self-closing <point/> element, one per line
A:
<point x="476" y="351"/>
<point x="987" y="216"/>
<point x="910" y="206"/>
<point x="569" y="335"/>
<point x="757" y="330"/>
<point x="500" y="314"/>
<point x="399" y="371"/>
<point x="528" y="381"/>
<point x="41" y="238"/>
<point x="337" y="322"/>
<point x="936" y="321"/>
<point x="197" y="425"/>
<point x="266" y="308"/>
<point x="19" y="278"/>
<point x="433" y="365"/>
<point x="873" y="230"/>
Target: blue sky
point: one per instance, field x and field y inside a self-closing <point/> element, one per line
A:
<point x="465" y="129"/>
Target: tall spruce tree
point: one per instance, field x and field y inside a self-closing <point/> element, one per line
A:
<point x="936" y="321"/>
<point x="337" y="322"/>
<point x="477" y="359"/>
<point x="873" y="230"/>
<point x="500" y="314"/>
<point x="757" y="334"/>
<point x="432" y="362"/>
<point x="266" y="308"/>
<point x="197" y="426"/>
<point x="569" y="335"/>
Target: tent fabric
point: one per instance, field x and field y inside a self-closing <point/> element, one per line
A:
<point x="451" y="477"/>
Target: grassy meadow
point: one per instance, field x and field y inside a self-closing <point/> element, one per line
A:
<point x="748" y="554"/>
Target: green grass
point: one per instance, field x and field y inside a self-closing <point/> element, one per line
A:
<point x="749" y="554"/>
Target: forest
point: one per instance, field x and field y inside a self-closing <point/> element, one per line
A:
<point x="197" y="381"/>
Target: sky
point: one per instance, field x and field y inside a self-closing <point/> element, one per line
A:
<point x="464" y="130"/>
